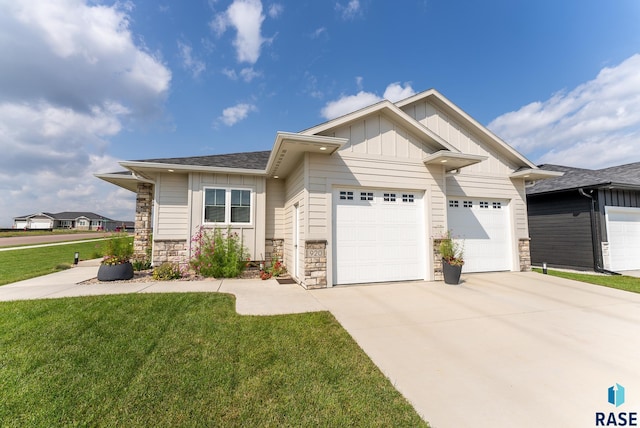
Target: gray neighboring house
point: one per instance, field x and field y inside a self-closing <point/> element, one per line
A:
<point x="365" y="197"/>
<point x="587" y="219"/>
<point x="70" y="220"/>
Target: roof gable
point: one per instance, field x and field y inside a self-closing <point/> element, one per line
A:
<point x="394" y="113"/>
<point x="246" y="160"/>
<point x="493" y="142"/>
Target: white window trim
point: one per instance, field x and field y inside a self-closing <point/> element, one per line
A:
<point x="227" y="205"/>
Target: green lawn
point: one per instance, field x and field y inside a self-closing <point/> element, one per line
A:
<point x="185" y="360"/>
<point x="621" y="282"/>
<point x="17" y="265"/>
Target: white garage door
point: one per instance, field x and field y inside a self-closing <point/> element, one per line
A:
<point x="40" y="225"/>
<point x="21" y="224"/>
<point x="623" y="233"/>
<point x="484" y="229"/>
<point x="378" y="236"/>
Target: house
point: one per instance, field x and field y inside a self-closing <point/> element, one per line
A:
<point x="68" y="220"/>
<point x="361" y="198"/>
<point x="587" y="219"/>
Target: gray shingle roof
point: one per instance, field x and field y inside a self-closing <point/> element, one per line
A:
<point x="621" y="176"/>
<point x="72" y="215"/>
<point x="247" y="160"/>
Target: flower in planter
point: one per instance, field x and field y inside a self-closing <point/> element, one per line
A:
<point x="451" y="250"/>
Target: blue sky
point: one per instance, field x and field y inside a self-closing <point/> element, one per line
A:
<point x="88" y="83"/>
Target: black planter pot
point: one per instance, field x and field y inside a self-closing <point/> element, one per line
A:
<point x="119" y="272"/>
<point x="451" y="273"/>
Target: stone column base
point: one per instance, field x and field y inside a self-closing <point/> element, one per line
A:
<point x="524" y="254"/>
<point x="315" y="264"/>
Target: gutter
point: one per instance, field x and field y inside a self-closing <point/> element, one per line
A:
<point x="597" y="255"/>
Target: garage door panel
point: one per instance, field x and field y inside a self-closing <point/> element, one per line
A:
<point x="482" y="227"/>
<point x="380" y="239"/>
<point x="623" y="235"/>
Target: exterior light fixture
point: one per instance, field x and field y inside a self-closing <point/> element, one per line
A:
<point x="443" y="161"/>
<point x="76" y="257"/>
<point x="170" y="170"/>
<point x="275" y="176"/>
<point x="323" y="148"/>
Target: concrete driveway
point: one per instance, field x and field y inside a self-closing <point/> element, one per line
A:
<point x="500" y="350"/>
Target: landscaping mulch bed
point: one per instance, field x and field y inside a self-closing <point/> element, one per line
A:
<point x="147" y="276"/>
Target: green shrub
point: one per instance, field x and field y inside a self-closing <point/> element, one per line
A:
<point x="142" y="264"/>
<point x="117" y="250"/>
<point x="217" y="254"/>
<point x="167" y="271"/>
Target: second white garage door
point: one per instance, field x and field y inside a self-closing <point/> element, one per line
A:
<point x="623" y="233"/>
<point x="484" y="229"/>
<point x="378" y="236"/>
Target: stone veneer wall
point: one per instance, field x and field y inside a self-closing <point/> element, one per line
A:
<point x="170" y="250"/>
<point x="315" y="264"/>
<point x="274" y="250"/>
<point x="437" y="261"/>
<point x="142" y="236"/>
<point x="524" y="253"/>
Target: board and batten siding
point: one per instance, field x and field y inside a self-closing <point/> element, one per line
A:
<point x="172" y="206"/>
<point x="461" y="137"/>
<point x="560" y="228"/>
<point x="253" y="235"/>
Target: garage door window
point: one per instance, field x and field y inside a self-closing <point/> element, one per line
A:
<point x="389" y="197"/>
<point x="408" y="198"/>
<point x="346" y="195"/>
<point x="366" y="196"/>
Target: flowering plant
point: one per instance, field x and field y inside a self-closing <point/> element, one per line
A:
<point x="117" y="250"/>
<point x="276" y="269"/>
<point x="217" y="254"/>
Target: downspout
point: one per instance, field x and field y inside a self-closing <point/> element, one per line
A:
<point x="597" y="256"/>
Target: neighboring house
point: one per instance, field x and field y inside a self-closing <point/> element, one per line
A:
<point x="586" y="219"/>
<point x="361" y="198"/>
<point x="69" y="220"/>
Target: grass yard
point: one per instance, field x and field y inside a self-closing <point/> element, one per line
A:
<point x="16" y="265"/>
<point x="185" y="360"/>
<point x="621" y="282"/>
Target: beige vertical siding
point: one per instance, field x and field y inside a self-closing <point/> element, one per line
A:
<point x="172" y="207"/>
<point x="462" y="138"/>
<point x="253" y="236"/>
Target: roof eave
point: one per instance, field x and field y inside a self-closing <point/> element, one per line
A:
<point x="452" y="160"/>
<point x="535" y="174"/>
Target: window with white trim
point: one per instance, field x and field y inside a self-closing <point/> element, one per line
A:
<point x="453" y="204"/>
<point x="225" y="205"/>
<point x="407" y="197"/>
<point x="389" y="197"/>
<point x="484" y="204"/>
<point x="497" y="205"/>
<point x="467" y="204"/>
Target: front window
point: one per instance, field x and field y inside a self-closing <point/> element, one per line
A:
<point x="227" y="206"/>
<point x="240" y="206"/>
<point x="214" y="205"/>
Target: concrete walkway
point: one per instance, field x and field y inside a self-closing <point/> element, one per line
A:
<point x="500" y="350"/>
<point x="253" y="297"/>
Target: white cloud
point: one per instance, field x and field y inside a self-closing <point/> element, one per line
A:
<point x="74" y="79"/>
<point x="594" y="125"/>
<point x="319" y="32"/>
<point x="194" y="65"/>
<point x="275" y="10"/>
<point x="248" y="74"/>
<point x="232" y="115"/>
<point x="349" y="103"/>
<point x="350" y="11"/>
<point x="246" y="17"/>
